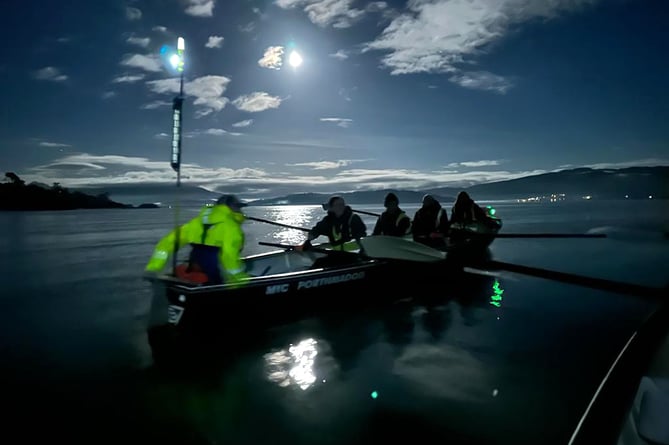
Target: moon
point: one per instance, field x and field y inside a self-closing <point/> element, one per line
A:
<point x="295" y="59"/>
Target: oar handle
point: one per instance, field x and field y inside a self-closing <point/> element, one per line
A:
<point x="274" y="223"/>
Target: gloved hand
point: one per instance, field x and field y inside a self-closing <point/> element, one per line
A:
<point x="304" y="246"/>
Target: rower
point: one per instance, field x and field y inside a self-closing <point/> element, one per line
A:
<point x="466" y="211"/>
<point x="430" y="224"/>
<point x="394" y="221"/>
<point x="340" y="225"/>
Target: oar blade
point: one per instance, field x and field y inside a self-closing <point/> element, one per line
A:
<point x="395" y="248"/>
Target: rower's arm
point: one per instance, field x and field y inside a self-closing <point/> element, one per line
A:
<point x="165" y="246"/>
<point x="358" y="228"/>
<point x="321" y="228"/>
<point x="231" y="260"/>
<point x="404" y="225"/>
<point x="377" y="227"/>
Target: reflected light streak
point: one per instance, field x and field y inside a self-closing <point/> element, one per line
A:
<point x="293" y="366"/>
<point x="299" y="216"/>
<point x="289" y="236"/>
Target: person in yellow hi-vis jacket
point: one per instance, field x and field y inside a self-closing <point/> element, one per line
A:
<point x="217" y="239"/>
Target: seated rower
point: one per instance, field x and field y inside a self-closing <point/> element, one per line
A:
<point x="430" y="224"/>
<point x="340" y="225"/>
<point x="466" y="211"/>
<point x="394" y="221"/>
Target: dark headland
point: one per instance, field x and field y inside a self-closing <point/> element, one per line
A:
<point x="16" y="195"/>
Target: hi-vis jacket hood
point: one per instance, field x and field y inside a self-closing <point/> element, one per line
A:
<point x="219" y="213"/>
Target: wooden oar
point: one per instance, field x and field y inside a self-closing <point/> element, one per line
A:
<point x="309" y="249"/>
<point x="274" y="223"/>
<point x="407" y="250"/>
<point x="581" y="280"/>
<point x="541" y="235"/>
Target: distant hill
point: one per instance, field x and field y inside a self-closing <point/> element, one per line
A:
<point x="16" y="195"/>
<point x="188" y="194"/>
<point x="633" y="183"/>
<point x="361" y="197"/>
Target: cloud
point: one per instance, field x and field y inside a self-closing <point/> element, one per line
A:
<point x="346" y="93"/>
<point x="242" y="124"/>
<point x="249" y="27"/>
<point x="200" y="8"/>
<point x="87" y="169"/>
<point x="161" y="136"/>
<point x="64" y="39"/>
<point x="214" y="42"/>
<point x="211" y="132"/>
<point x="326" y="165"/>
<point x="148" y="63"/>
<point x="340" y="55"/>
<point x="256" y="101"/>
<point x="128" y="78"/>
<point x="159" y="29"/>
<point x="338" y="13"/>
<point x="207" y="90"/>
<point x="272" y="58"/>
<point x="646" y="162"/>
<point x="156" y="104"/>
<point x="53" y="144"/>
<point x="339" y="121"/>
<point x="482" y="80"/>
<point x="469" y="164"/>
<point x="435" y="35"/>
<point x="133" y="13"/>
<point x="50" y="73"/>
<point x="376" y="6"/>
<point x="139" y="41"/>
<point x="108" y="94"/>
<point x="215" y="132"/>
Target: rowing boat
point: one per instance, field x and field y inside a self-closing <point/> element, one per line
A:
<point x="288" y="284"/>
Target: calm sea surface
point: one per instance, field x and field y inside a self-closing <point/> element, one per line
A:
<point x="75" y="363"/>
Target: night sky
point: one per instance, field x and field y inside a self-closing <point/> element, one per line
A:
<point x="390" y="94"/>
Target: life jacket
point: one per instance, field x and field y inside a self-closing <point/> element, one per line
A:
<point x="341" y="231"/>
<point x="205" y="258"/>
<point x="389" y="223"/>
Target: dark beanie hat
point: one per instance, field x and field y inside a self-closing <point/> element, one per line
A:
<point x="391" y="197"/>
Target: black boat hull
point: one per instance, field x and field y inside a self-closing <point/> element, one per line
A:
<point x="301" y="284"/>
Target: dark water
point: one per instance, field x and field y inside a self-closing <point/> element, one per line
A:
<point x="76" y="365"/>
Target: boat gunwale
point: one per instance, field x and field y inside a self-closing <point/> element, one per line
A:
<point x="262" y="280"/>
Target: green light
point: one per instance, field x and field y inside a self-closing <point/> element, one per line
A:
<point x="496" y="297"/>
<point x="491" y="210"/>
<point x="374" y="395"/>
